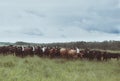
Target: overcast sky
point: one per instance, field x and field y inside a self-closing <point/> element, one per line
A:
<point x="59" y="20"/>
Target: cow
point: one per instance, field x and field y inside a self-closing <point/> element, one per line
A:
<point x="109" y="55"/>
<point x="63" y="52"/>
<point x="38" y="51"/>
<point x="5" y="50"/>
<point x="45" y="51"/>
<point x="72" y="53"/>
<point x="19" y="51"/>
<point x="54" y="52"/>
<point x="114" y="55"/>
<point x="12" y="49"/>
<point x="80" y="54"/>
<point x="27" y="51"/>
<point x="97" y="55"/>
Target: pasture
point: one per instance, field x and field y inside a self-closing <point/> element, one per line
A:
<point x="44" y="69"/>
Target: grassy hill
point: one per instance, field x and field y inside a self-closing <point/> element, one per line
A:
<point x="5" y="43"/>
<point x="44" y="69"/>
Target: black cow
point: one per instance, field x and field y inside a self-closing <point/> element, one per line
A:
<point x="108" y="55"/>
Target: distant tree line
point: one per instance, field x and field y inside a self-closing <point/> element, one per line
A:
<point x="105" y="45"/>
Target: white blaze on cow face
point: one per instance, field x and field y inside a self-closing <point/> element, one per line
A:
<point x="33" y="48"/>
<point x="23" y="48"/>
<point x="43" y="49"/>
<point x="78" y="50"/>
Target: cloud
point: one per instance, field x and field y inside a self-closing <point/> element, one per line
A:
<point x="35" y="13"/>
<point x="33" y="32"/>
<point x="64" y="20"/>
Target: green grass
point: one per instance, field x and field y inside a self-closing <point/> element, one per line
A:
<point x="118" y="51"/>
<point x="44" y="69"/>
<point x="111" y="51"/>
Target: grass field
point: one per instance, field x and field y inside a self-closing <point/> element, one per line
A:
<point x="43" y="69"/>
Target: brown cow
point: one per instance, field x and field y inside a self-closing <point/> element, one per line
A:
<point x="28" y="51"/>
<point x="80" y="55"/>
<point x="45" y="51"/>
<point x="63" y="52"/>
<point x="12" y="49"/>
<point x="72" y="53"/>
<point x="52" y="52"/>
<point x="19" y="52"/>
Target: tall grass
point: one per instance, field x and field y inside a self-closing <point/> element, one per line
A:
<point x="43" y="69"/>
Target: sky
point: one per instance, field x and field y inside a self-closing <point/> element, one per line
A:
<point x="46" y="21"/>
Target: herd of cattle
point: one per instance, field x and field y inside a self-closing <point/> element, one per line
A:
<point x="58" y="52"/>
